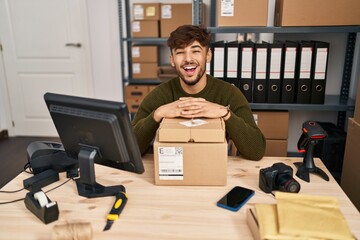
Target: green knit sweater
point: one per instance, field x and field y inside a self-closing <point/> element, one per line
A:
<point x="240" y="127"/>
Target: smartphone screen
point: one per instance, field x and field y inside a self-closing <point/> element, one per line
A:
<point x="236" y="198"/>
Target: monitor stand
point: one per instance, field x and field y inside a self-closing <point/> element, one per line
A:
<point x="86" y="184"/>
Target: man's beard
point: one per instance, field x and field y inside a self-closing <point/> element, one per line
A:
<point x="191" y="82"/>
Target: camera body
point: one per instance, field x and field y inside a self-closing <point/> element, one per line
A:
<point x="278" y="177"/>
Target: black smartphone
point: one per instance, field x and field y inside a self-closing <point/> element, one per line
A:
<point x="236" y="198"/>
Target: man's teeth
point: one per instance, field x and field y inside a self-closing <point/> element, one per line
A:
<point x="189" y="68"/>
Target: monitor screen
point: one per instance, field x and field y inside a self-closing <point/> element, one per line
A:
<point x="95" y="131"/>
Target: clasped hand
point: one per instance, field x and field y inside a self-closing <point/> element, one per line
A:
<point x="190" y="107"/>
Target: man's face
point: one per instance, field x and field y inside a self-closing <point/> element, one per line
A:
<point x="190" y="62"/>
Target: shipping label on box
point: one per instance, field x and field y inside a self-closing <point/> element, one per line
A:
<point x="171" y="165"/>
<point x="190" y="152"/>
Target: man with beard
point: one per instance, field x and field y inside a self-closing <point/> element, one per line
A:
<point x="194" y="94"/>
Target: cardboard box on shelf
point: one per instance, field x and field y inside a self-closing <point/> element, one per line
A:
<point x="173" y="16"/>
<point x="190" y="152"/>
<point x="145" y="29"/>
<point x="165" y="73"/>
<point x="273" y="124"/>
<point x="242" y="13"/>
<point x="144" y="54"/>
<point x="145" y="70"/>
<point x="276" y="148"/>
<point x="317" y="12"/>
<point x="350" y="176"/>
<point x="146" y="11"/>
<point x="136" y="91"/>
<point x="133" y="104"/>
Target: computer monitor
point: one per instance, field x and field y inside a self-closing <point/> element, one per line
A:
<point x="95" y="131"/>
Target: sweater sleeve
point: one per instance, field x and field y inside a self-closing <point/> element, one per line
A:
<point x="243" y="130"/>
<point x="246" y="136"/>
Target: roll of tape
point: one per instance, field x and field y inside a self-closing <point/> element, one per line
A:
<point x="41" y="197"/>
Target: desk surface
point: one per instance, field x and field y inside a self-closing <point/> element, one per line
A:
<point x="160" y="212"/>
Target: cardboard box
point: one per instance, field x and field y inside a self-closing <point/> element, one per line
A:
<point x="242" y="13"/>
<point x="276" y="148"/>
<point x="133" y="104"/>
<point x="165" y="73"/>
<point x="173" y="16"/>
<point x="146" y="11"/>
<point x="143" y="54"/>
<point x="191" y="152"/>
<point x="145" y="29"/>
<point x="317" y="12"/>
<point x="145" y="70"/>
<point x="350" y="176"/>
<point x="357" y="105"/>
<point x="273" y="124"/>
<point x="136" y="91"/>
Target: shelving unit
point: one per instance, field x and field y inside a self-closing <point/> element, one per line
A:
<point x="340" y="103"/>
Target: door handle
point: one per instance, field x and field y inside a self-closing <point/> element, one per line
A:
<point x="78" y="45"/>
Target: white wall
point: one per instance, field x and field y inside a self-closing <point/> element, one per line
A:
<point x="105" y="49"/>
<point x="105" y="57"/>
<point x="3" y="97"/>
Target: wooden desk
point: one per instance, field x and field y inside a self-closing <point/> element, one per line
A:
<point x="160" y="212"/>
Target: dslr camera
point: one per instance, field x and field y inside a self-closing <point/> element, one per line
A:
<point x="278" y="177"/>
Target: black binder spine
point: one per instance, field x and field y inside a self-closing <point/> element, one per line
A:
<point x="274" y="73"/>
<point x="246" y="67"/>
<point x="304" y="72"/>
<point x="231" y="67"/>
<point x="319" y="72"/>
<point x="288" y="74"/>
<point x="261" y="71"/>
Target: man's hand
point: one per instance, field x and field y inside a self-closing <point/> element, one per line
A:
<point x="189" y="107"/>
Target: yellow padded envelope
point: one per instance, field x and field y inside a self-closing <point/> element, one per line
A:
<point x="297" y="216"/>
<point x="311" y="216"/>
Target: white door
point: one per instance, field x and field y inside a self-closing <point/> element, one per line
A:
<point x="45" y="49"/>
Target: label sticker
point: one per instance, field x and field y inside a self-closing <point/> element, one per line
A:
<point x="227" y="8"/>
<point x="194" y="122"/>
<point x="150" y="11"/>
<point x="138" y="12"/>
<point x="166" y="12"/>
<point x="135" y="52"/>
<point x="170" y="163"/>
<point x="136" y="26"/>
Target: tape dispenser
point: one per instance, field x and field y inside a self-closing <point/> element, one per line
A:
<point x="42" y="207"/>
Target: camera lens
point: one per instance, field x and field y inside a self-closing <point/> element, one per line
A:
<point x="287" y="183"/>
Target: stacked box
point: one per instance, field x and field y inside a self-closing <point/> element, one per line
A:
<point x="146" y="18"/>
<point x="242" y="13"/>
<point x="275" y="127"/>
<point x="317" y="12"/>
<point x="350" y="176"/>
<point x="134" y="94"/>
<point x="144" y="62"/>
<point x="173" y="16"/>
<point x="190" y="152"/>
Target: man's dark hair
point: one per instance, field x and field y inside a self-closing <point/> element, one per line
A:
<point x="186" y="34"/>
